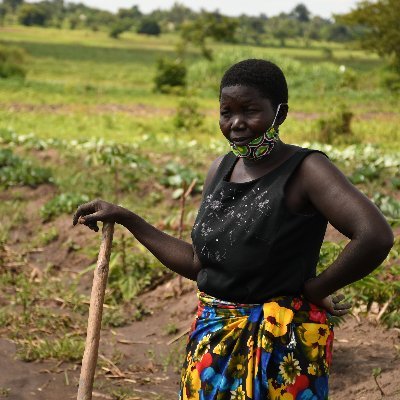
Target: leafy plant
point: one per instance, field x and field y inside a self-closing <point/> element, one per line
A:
<point x="170" y="76"/>
<point x="11" y="62"/>
<point x="60" y="204"/>
<point x="175" y="176"/>
<point x="120" y="160"/>
<point x="381" y="286"/>
<point x="187" y="115"/>
<point x="48" y="236"/>
<point x="15" y="171"/>
<point x="129" y="272"/>
<point x="389" y="206"/>
<point x="337" y="127"/>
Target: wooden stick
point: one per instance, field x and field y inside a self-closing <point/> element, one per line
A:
<point x="95" y="314"/>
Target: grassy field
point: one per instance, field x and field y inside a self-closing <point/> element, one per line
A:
<point x="85" y="84"/>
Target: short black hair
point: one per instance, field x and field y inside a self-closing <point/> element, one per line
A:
<point x="263" y="75"/>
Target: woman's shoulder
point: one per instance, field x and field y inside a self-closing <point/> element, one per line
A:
<point x="307" y="150"/>
<point x="214" y="168"/>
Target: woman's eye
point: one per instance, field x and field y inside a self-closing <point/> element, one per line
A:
<point x="251" y="111"/>
<point x="224" y="113"/>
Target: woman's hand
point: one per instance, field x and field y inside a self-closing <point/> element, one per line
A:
<point x="98" y="210"/>
<point x="330" y="303"/>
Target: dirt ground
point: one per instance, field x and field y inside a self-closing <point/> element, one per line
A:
<point x="150" y="358"/>
<point x="150" y="354"/>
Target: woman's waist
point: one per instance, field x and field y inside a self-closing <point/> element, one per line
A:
<point x="295" y="307"/>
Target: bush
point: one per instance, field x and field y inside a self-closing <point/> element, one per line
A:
<point x="118" y="28"/>
<point x="337" y="127"/>
<point x="390" y="79"/>
<point x="149" y="27"/>
<point x="33" y="14"/>
<point x="170" y="76"/>
<point x="11" y="61"/>
<point x="187" y="115"/>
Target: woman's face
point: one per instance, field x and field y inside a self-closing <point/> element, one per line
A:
<point x="244" y="114"/>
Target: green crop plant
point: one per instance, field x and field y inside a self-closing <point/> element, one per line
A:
<point x="381" y="286"/>
<point x="122" y="162"/>
<point x="188" y="117"/>
<point x="175" y="176"/>
<point x="389" y="206"/>
<point x="130" y="272"/>
<point x="15" y="171"/>
<point x="60" y="204"/>
<point x="48" y="236"/>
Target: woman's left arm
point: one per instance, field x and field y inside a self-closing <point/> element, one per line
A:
<point x="352" y="214"/>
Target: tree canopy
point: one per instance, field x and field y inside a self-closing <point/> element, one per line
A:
<point x="380" y="20"/>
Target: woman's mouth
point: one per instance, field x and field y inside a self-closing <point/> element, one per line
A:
<point x="240" y="141"/>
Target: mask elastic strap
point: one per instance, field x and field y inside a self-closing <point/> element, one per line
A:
<point x="277" y="112"/>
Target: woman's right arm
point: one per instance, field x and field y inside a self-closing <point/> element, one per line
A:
<point x="176" y="254"/>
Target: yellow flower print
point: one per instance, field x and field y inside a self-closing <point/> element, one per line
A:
<point x="237" y="366"/>
<point x="277" y="391"/>
<point x="289" y="368"/>
<point x="250" y="342"/>
<point x="266" y="344"/>
<point x="238" y="394"/>
<point x="312" y="369"/>
<point x="315" y="333"/>
<point x="202" y="347"/>
<point x="221" y="348"/>
<point x="276" y="318"/>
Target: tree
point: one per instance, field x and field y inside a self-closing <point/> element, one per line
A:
<point x="3" y="12"/>
<point x="381" y="22"/>
<point x="149" y="27"/>
<point x="301" y="13"/>
<point x="132" y="13"/>
<point x="33" y="14"/>
<point x="283" y="27"/>
<point x="13" y="4"/>
<point x="208" y="25"/>
<point x="118" y="28"/>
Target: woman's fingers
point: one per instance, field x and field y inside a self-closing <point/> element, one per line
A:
<point x="92" y="218"/>
<point x="343" y="306"/>
<point x="339" y="313"/>
<point x="340" y="309"/>
<point x="337" y="305"/>
<point x="84" y="209"/>
<point x="337" y="298"/>
<point x="92" y="225"/>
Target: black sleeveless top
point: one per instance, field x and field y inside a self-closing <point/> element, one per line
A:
<point x="250" y="245"/>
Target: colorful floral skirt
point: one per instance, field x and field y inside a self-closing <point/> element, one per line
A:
<point x="281" y="349"/>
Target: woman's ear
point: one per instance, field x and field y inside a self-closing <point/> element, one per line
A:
<point x="282" y="114"/>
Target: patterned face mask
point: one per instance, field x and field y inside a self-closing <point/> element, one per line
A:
<point x="261" y="146"/>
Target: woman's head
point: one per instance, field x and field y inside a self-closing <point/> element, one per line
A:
<point x="262" y="75"/>
<point x="253" y="104"/>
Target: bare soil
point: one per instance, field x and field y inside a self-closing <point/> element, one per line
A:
<point x="150" y="351"/>
<point x="149" y="362"/>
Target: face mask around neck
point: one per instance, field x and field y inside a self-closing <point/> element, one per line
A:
<point x="261" y="146"/>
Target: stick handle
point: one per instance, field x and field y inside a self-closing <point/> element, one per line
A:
<point x="95" y="314"/>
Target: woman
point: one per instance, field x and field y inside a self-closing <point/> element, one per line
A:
<point x="263" y="328"/>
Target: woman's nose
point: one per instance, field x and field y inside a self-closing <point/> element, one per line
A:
<point x="237" y="123"/>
